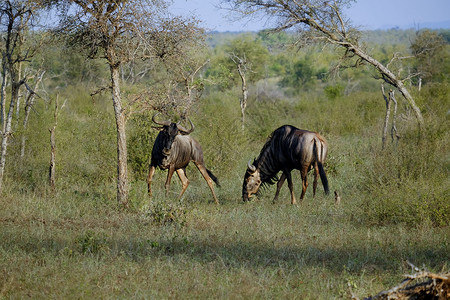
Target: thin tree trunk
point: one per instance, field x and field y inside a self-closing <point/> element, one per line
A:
<point x="4" y="146"/>
<point x="386" y="118"/>
<point x="394" y="118"/>
<point x="3" y="96"/>
<point x="19" y="74"/>
<point x="243" y="100"/>
<point x="6" y="130"/>
<point x="122" y="170"/>
<point x="52" y="169"/>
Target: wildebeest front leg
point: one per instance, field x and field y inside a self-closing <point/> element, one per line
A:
<point x="291" y="187"/>
<point x="184" y="181"/>
<point x="279" y="185"/>
<point x="169" y="178"/>
<point x="208" y="179"/>
<point x="151" y="172"/>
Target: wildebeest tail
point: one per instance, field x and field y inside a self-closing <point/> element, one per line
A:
<point x="214" y="178"/>
<point x="323" y="178"/>
<point x="318" y="149"/>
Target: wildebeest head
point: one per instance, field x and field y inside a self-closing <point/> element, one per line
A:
<point x="252" y="182"/>
<point x="169" y="131"/>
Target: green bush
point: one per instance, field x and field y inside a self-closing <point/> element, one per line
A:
<point x="409" y="183"/>
<point x="164" y="213"/>
<point x="334" y="91"/>
<point x="93" y="244"/>
<point x="141" y="137"/>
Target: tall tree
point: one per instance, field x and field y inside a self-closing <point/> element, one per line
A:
<point x="244" y="59"/>
<point x="429" y="49"/>
<point x="120" y="32"/>
<point x="180" y="75"/>
<point x="323" y="21"/>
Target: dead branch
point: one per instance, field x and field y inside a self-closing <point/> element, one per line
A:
<point x="100" y="91"/>
<point x="421" y="285"/>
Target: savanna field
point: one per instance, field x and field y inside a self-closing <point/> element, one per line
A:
<point x="75" y="242"/>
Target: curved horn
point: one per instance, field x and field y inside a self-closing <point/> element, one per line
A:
<point x="251" y="167"/>
<point x="162" y="123"/>
<point x="184" y="130"/>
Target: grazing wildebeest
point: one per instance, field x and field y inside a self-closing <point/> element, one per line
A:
<point x="286" y="149"/>
<point x="173" y="149"/>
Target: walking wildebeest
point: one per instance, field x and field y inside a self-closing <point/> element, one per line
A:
<point x="173" y="149"/>
<point x="286" y="149"/>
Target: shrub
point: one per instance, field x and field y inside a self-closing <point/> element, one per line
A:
<point x="334" y="91"/>
<point x="409" y="183"/>
<point x="92" y="243"/>
<point x="140" y="144"/>
<point x="164" y="213"/>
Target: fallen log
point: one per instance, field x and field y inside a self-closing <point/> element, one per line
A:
<point x="421" y="285"/>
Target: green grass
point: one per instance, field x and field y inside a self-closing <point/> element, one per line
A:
<point x="69" y="248"/>
<point x="76" y="243"/>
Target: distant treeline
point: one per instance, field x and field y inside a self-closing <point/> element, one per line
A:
<point x="389" y="36"/>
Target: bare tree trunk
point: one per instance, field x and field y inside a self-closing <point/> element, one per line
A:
<point x="52" y="169"/>
<point x="3" y="94"/>
<point x="29" y="102"/>
<point x="3" y="158"/>
<point x="243" y="100"/>
<point x="19" y="74"/>
<point x="386" y="118"/>
<point x="241" y="64"/>
<point x="122" y="156"/>
<point x="6" y="129"/>
<point x="394" y="118"/>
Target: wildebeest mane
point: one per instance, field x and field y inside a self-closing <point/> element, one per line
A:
<point x="267" y="161"/>
<point x="157" y="156"/>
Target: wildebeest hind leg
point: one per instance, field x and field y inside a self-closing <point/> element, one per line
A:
<point x="304" y="175"/>
<point x="208" y="179"/>
<point x="184" y="181"/>
<point x="279" y="185"/>
<point x="316" y="177"/>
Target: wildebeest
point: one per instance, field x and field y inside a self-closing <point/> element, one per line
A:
<point x="173" y="149"/>
<point x="286" y="149"/>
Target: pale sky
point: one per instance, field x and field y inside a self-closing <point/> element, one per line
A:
<point x="366" y="14"/>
